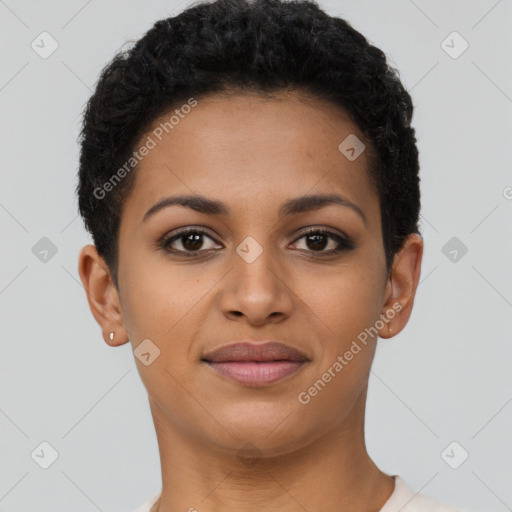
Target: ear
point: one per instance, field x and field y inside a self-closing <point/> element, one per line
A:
<point x="102" y="295"/>
<point x="401" y="286"/>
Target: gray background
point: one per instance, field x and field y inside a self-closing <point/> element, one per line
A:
<point x="445" y="378"/>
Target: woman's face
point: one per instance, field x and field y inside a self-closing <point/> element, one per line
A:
<point x="250" y="272"/>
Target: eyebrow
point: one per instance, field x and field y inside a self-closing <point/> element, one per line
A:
<point x="294" y="206"/>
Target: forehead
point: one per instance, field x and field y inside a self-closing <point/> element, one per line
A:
<point x="251" y="148"/>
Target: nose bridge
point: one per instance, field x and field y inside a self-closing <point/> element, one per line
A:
<point x="257" y="287"/>
<point x="255" y="261"/>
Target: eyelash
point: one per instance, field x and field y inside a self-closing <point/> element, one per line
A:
<point x="344" y="243"/>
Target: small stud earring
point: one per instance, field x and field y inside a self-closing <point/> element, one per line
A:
<point x="111" y="335"/>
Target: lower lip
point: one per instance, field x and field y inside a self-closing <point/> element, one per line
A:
<point x="252" y="373"/>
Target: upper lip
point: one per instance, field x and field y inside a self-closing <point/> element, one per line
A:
<point x="251" y="351"/>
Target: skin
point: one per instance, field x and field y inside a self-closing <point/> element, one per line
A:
<point x="253" y="154"/>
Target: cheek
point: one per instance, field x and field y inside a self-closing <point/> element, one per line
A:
<point x="343" y="308"/>
<point x="160" y="307"/>
<point x="161" y="302"/>
<point x="342" y="303"/>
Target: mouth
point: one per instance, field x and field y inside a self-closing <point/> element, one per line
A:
<point x="256" y="364"/>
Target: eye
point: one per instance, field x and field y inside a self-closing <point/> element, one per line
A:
<point x="191" y="240"/>
<point x="317" y="240"/>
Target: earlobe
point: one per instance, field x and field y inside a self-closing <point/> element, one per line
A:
<point x="102" y="295"/>
<point x="401" y="287"/>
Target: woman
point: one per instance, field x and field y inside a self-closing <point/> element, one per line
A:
<point x="249" y="176"/>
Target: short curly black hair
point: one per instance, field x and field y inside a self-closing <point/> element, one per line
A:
<point x="251" y="46"/>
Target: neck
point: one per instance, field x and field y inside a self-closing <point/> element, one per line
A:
<point x="331" y="472"/>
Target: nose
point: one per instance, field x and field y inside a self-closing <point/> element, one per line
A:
<point x="256" y="290"/>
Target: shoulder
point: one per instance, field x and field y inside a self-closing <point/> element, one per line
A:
<point x="404" y="499"/>
<point x="146" y="506"/>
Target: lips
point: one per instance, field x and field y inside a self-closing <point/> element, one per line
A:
<point x="256" y="364"/>
<point x="247" y="351"/>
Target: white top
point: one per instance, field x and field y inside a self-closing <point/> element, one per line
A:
<point x="403" y="499"/>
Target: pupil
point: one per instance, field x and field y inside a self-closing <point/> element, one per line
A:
<point x="322" y="245"/>
<point x="195" y="243"/>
